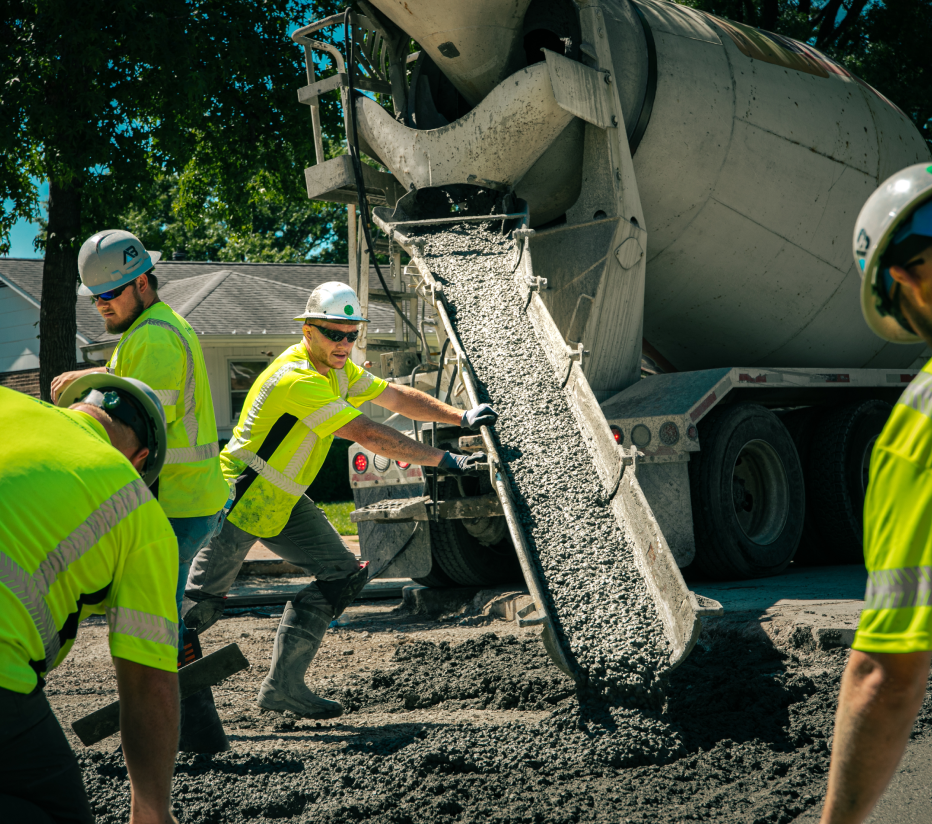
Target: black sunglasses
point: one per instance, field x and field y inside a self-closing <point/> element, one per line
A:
<point x="113" y="293"/>
<point x="335" y="336"/>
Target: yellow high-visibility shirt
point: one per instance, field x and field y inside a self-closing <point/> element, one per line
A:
<point x="80" y="534"/>
<point x="897" y="615"/>
<point x="284" y="433"/>
<point x="161" y="349"/>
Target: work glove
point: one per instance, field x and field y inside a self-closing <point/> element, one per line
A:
<point x="481" y="415"/>
<point x="474" y="464"/>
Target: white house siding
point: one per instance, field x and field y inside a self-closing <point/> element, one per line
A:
<point x="19" y="330"/>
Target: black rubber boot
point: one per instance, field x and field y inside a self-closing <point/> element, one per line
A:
<point x="201" y="728"/>
<point x="296" y="643"/>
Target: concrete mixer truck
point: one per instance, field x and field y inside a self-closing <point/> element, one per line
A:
<point x="689" y="186"/>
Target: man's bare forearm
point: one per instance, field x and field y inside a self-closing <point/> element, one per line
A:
<point x="880" y="696"/>
<point x="149" y="712"/>
<point x="60" y="382"/>
<point x="417" y="405"/>
<point x="383" y="440"/>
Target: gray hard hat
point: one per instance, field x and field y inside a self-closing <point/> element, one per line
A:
<point x="130" y="401"/>
<point x="111" y="258"/>
<point x="334" y="301"/>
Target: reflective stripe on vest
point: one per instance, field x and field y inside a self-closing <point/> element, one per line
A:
<point x="265" y="391"/>
<point x="918" y="395"/>
<point x="190" y="418"/>
<point x="361" y="386"/>
<point x="190" y="454"/>
<point x="168" y="397"/>
<point x="142" y="625"/>
<point x="296" y="464"/>
<point x="899" y="588"/>
<point x="32" y="589"/>
<point x="273" y="476"/>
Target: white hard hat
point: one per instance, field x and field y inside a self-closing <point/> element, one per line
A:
<point x="333" y="301"/>
<point x="111" y="258"/>
<point x="130" y="401"/>
<point x="898" y="213"/>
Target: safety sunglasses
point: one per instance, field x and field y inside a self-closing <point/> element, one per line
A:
<point x="113" y="293"/>
<point x="335" y="336"/>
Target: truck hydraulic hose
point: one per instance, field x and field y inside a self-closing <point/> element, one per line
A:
<point x="352" y="145"/>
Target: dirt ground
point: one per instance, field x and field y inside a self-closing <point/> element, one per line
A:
<point x="452" y="723"/>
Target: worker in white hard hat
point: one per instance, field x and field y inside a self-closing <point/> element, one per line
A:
<point x="159" y="347"/>
<point x="306" y="396"/>
<point x="82" y="535"/>
<point x="885" y="680"/>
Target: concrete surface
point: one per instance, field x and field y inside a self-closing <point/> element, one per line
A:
<point x="908" y="799"/>
<point x="814" y="607"/>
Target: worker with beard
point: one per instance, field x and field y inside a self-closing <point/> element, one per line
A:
<point x="887" y="674"/>
<point x="308" y="395"/>
<point x="158" y="347"/>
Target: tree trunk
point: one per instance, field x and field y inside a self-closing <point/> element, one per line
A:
<point x="57" y="323"/>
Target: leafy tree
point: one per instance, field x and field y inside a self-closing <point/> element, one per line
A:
<point x="105" y="99"/>
<point x="885" y="43"/>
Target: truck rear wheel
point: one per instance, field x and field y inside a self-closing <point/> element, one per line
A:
<point x="837" y="474"/>
<point x="478" y="552"/>
<point x="747" y="494"/>
<point x="801" y="424"/>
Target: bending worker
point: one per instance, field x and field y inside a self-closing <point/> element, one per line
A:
<point x="885" y="680"/>
<point x="158" y="346"/>
<point x="108" y="549"/>
<point x="306" y="396"/>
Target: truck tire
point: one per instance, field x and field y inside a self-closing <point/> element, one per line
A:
<point x="464" y="558"/>
<point x="837" y="477"/>
<point x="436" y="578"/>
<point x="801" y="424"/>
<point x="747" y="493"/>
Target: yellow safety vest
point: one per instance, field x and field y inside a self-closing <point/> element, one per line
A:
<point x="161" y="349"/>
<point x="284" y="433"/>
<point x="897" y="615"/>
<point x="80" y="534"/>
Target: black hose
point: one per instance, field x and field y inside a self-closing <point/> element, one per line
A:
<point x="443" y="352"/>
<point x="352" y="145"/>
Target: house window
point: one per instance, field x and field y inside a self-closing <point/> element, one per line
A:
<point x="243" y="374"/>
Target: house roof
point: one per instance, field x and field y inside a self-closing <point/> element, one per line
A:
<point x="217" y="298"/>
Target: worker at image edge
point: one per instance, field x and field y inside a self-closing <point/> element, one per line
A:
<point x="159" y="347"/>
<point x="308" y="395"/>
<point x="81" y="535"/>
<point x="884" y="682"/>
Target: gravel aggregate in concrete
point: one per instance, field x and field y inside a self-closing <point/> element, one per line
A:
<point x="605" y="615"/>
<point x="752" y="726"/>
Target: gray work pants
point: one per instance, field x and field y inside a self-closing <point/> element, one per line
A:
<point x="308" y="540"/>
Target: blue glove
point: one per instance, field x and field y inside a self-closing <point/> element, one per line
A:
<point x="474" y="464"/>
<point x="482" y="415"/>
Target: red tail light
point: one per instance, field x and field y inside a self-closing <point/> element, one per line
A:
<point x="402" y="464"/>
<point x="619" y="435"/>
<point x="360" y="462"/>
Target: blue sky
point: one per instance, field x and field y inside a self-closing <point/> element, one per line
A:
<point x="24" y="232"/>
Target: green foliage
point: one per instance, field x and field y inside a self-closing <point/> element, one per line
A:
<point x="339" y="515"/>
<point x="104" y="99"/>
<point x="884" y="43"/>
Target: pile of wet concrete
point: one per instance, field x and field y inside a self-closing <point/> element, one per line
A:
<point x="743" y="737"/>
<point x="739" y="733"/>
<point x="604" y="613"/>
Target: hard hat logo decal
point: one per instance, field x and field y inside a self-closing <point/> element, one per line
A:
<point x="129" y="253"/>
<point x="864" y="243"/>
<point x="348" y="309"/>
